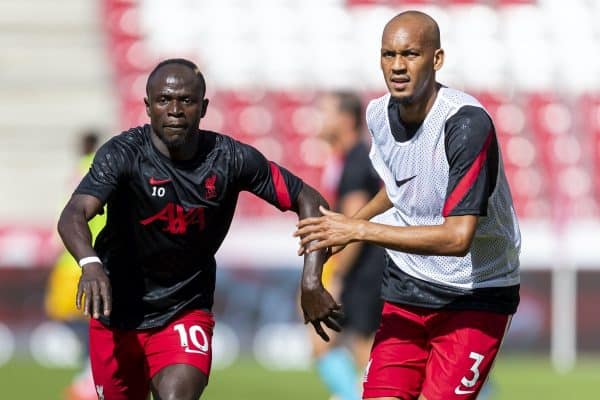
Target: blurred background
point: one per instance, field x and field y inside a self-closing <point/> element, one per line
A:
<point x="70" y="67"/>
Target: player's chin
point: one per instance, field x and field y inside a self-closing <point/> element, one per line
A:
<point x="402" y="97"/>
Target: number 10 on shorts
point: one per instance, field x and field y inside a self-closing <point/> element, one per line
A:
<point x="189" y="339"/>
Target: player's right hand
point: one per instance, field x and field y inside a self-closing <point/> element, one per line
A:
<point x="319" y="307"/>
<point x="94" y="291"/>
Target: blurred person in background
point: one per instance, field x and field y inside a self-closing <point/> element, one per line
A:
<point x="353" y="275"/>
<point x="65" y="274"/>
<point x="148" y="282"/>
<point x="446" y="219"/>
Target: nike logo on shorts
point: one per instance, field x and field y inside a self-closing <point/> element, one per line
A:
<point x="459" y="391"/>
<point x="403" y="181"/>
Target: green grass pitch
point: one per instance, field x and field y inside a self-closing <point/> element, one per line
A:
<point x="515" y="378"/>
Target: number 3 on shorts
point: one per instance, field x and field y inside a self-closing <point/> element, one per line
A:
<point x="189" y="339"/>
<point x="474" y="368"/>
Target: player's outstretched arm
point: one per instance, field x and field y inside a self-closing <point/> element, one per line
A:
<point x="94" y="287"/>
<point x="377" y="205"/>
<point x="317" y="304"/>
<point x="451" y="238"/>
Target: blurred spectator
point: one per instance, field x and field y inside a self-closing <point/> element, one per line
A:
<point x="353" y="275"/>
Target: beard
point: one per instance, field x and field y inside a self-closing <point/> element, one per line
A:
<point x="404" y="100"/>
<point x="174" y="142"/>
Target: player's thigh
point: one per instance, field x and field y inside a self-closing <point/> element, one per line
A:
<point x="118" y="366"/>
<point x="464" y="347"/>
<point x="187" y="341"/>
<point x="178" y="382"/>
<point x="398" y="357"/>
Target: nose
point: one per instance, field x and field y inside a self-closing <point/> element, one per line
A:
<point x="174" y="108"/>
<point x="398" y="64"/>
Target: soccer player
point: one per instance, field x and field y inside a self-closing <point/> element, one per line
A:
<point x="355" y="273"/>
<point x="446" y="218"/>
<point x="148" y="283"/>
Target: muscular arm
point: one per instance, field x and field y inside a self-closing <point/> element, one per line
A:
<point x="73" y="225"/>
<point x="452" y="238"/>
<point x="94" y="287"/>
<point x="317" y="304"/>
<point x="309" y="201"/>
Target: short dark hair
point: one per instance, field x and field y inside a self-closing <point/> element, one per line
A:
<point x="178" y="61"/>
<point x="351" y="103"/>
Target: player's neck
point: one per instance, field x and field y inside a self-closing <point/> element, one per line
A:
<point x="184" y="152"/>
<point x="416" y="112"/>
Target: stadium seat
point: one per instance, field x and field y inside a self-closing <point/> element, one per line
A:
<point x="537" y="127"/>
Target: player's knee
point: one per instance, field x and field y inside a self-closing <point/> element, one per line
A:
<point x="187" y="384"/>
<point x="180" y="391"/>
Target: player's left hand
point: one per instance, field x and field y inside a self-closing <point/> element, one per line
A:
<point x="332" y="230"/>
<point x="319" y="307"/>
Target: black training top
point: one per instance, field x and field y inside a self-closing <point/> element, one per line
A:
<point x="166" y="219"/>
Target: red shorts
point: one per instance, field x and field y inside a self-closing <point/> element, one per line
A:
<point x="443" y="354"/>
<point x="124" y="361"/>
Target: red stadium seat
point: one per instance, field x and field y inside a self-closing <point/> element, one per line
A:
<point x="589" y="114"/>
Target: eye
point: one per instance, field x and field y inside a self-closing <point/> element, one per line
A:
<point x="187" y="100"/>
<point x="162" y="100"/>
<point x="388" y="54"/>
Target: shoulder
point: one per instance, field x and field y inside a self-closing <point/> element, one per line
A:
<point x="131" y="140"/>
<point x="470" y="120"/>
<point x="233" y="150"/>
<point x="467" y="131"/>
<point x="220" y="140"/>
<point x="457" y="98"/>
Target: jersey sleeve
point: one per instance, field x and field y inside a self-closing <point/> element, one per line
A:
<point x="107" y="170"/>
<point x="473" y="157"/>
<point x="266" y="179"/>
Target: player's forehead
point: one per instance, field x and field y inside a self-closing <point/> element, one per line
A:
<point x="410" y="30"/>
<point x="175" y="79"/>
<point x="403" y="35"/>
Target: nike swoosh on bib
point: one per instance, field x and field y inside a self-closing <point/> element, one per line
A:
<point x="403" y="181"/>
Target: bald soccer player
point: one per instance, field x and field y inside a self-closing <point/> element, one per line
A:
<point x="148" y="282"/>
<point x="446" y="219"/>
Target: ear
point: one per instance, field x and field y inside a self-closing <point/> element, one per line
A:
<point x="438" y="59"/>
<point x="147" y="103"/>
<point x="204" y="108"/>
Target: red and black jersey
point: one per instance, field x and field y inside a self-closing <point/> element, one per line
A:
<point x="166" y="219"/>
